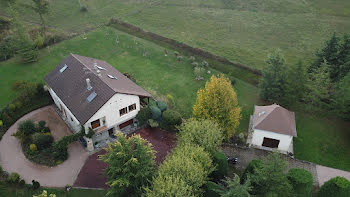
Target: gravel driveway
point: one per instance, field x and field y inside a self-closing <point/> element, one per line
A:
<point x="12" y="158"/>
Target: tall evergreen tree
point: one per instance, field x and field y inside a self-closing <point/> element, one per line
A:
<point x="41" y="7"/>
<point x="273" y="82"/>
<point x="318" y="87"/>
<point x="341" y="99"/>
<point x="234" y="188"/>
<point x="344" y="57"/>
<point x="296" y="83"/>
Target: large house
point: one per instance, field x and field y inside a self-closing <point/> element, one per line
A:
<point x="91" y="93"/>
<point x="272" y="127"/>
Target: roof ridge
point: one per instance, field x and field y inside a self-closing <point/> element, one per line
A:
<point x="266" y="115"/>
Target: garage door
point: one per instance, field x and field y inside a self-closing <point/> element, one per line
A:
<point x="124" y="124"/>
<point x="269" y="142"/>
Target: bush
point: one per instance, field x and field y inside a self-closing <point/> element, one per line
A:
<point x="13" y="178"/>
<point x="176" y="53"/>
<point x="22" y="183"/>
<point x="162" y="106"/>
<point x="221" y="165"/>
<point x="204" y="63"/>
<point x="12" y="107"/>
<point x="192" y="59"/>
<point x="179" y="58"/>
<point x="152" y="123"/>
<point x="194" y="64"/>
<point x="27" y="127"/>
<point x="90" y="133"/>
<point x="1" y="171"/>
<point x="172" y="119"/>
<point x="45" y="130"/>
<point x="42" y="141"/>
<point x="35" y="185"/>
<point x="210" y="189"/>
<point x="1" y="123"/>
<point x="335" y="187"/>
<point x="83" y="9"/>
<point x="302" y="182"/>
<point x="155" y="112"/>
<point x="33" y="147"/>
<point x="170" y="100"/>
<point x="251" y="168"/>
<point x="143" y="115"/>
<point x="41" y="124"/>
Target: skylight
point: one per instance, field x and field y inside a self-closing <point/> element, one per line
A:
<point x="112" y="77"/>
<point x="63" y="68"/>
<point x="101" y="68"/>
<point x="91" y="97"/>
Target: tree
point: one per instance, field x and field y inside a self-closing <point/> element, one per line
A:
<point x="204" y="133"/>
<point x="41" y="7"/>
<point x="273" y="82"/>
<point x="335" y="187"/>
<point x="218" y="101"/>
<point x="182" y="174"/>
<point x="296" y="80"/>
<point x="344" y="57"/>
<point x="341" y="99"/>
<point x="329" y="54"/>
<point x="233" y="188"/>
<point x="318" y="87"/>
<point x="131" y="165"/>
<point x="302" y="182"/>
<point x="270" y="178"/>
<point x="44" y="194"/>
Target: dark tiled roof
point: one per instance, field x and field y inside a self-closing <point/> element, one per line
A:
<point x="71" y="87"/>
<point x="274" y="118"/>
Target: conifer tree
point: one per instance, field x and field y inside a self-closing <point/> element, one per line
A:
<point x="341" y="99"/>
<point x="297" y="78"/>
<point x="344" y="57"/>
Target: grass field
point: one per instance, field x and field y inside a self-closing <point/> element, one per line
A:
<point x="240" y="30"/>
<point x="319" y="140"/>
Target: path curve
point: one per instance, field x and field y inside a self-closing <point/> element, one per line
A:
<point x="12" y="158"/>
<point x="325" y="173"/>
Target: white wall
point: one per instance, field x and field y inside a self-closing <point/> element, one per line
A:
<point x="75" y="125"/>
<point x="285" y="140"/>
<point x="110" y="111"/>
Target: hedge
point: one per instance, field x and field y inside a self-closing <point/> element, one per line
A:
<point x="221" y="165"/>
<point x="335" y="187"/>
<point x="302" y="182"/>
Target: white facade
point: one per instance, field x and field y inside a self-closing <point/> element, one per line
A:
<point x="285" y="141"/>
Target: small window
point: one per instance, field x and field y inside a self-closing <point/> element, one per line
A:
<point x="132" y="107"/>
<point x="95" y="124"/>
<point x="123" y="111"/>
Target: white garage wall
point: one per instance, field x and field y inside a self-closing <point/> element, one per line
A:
<point x="75" y="125"/>
<point x="285" y="140"/>
<point x="110" y="111"/>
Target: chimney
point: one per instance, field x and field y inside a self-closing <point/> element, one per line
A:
<point x="97" y="70"/>
<point x="89" y="87"/>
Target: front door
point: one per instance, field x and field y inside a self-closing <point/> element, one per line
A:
<point x="269" y="142"/>
<point x="127" y="123"/>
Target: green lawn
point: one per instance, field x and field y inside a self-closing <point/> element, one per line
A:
<point x="240" y="30"/>
<point x="15" y="192"/>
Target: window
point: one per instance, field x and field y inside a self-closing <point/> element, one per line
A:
<point x="132" y="107"/>
<point x="123" y="111"/>
<point x="269" y="142"/>
<point x="95" y="124"/>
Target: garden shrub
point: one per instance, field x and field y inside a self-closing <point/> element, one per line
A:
<point x="302" y="182"/>
<point x="83" y="9"/>
<point x="90" y="133"/>
<point x="42" y="141"/>
<point x="204" y="63"/>
<point x="12" y="107"/>
<point x="335" y="187"/>
<point x="45" y="130"/>
<point x="155" y="112"/>
<point x="210" y="189"/>
<point x="176" y="53"/>
<point x="22" y="183"/>
<point x="179" y="58"/>
<point x="13" y="178"/>
<point x="170" y="100"/>
<point x="171" y="119"/>
<point x="162" y="106"/>
<point x="33" y="147"/>
<point x="35" y="185"/>
<point x="250" y="169"/>
<point x="194" y="64"/>
<point x="27" y="127"/>
<point x="143" y="115"/>
<point x="221" y="165"/>
<point x="152" y="123"/>
<point x="192" y="59"/>
<point x="41" y="124"/>
<point x="1" y="123"/>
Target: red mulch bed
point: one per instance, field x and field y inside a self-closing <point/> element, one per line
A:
<point x="91" y="175"/>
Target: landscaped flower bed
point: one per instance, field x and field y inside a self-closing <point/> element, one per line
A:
<point x="38" y="145"/>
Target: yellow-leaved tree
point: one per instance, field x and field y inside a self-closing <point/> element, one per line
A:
<point x="218" y="101"/>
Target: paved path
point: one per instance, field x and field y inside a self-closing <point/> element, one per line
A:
<point x="12" y="158"/>
<point x="326" y="173"/>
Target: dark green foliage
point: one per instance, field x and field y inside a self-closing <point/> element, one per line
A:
<point x="171" y="119"/>
<point x="13" y="178"/>
<point x="296" y="83"/>
<point x="22" y="183"/>
<point x="60" y="147"/>
<point x="27" y="127"/>
<point x="335" y="187"/>
<point x="143" y="115"/>
<point x="161" y="105"/>
<point x="152" y="123"/>
<point x="302" y="182"/>
<point x="344" y="57"/>
<point x="211" y="189"/>
<point x="251" y="168"/>
<point x="155" y="112"/>
<point x="234" y="188"/>
<point x="221" y="165"/>
<point x="42" y="141"/>
<point x="90" y="133"/>
<point x="7" y="47"/>
<point x="273" y="82"/>
<point x="341" y="99"/>
<point x="41" y="7"/>
<point x="35" y="185"/>
<point x="41" y="124"/>
<point x="28" y="52"/>
<point x="131" y="165"/>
